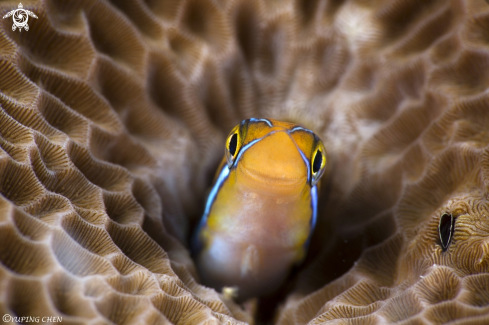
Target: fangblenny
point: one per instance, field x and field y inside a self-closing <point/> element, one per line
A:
<point x="262" y="208"/>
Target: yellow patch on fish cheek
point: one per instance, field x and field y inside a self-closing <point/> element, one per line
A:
<point x="212" y="223"/>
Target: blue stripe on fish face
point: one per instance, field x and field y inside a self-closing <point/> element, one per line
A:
<point x="246" y="147"/>
<point x="304" y="158"/>
<point x="223" y="175"/>
<point x="314" y="205"/>
<point x="306" y="161"/>
<point x="314" y="208"/>
<point x="314" y="191"/>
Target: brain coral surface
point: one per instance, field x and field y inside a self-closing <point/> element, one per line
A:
<point x="112" y="120"/>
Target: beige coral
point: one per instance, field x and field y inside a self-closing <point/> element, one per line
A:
<point x="112" y="117"/>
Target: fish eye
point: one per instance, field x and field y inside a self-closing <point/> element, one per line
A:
<point x="318" y="163"/>
<point x="233" y="144"/>
<point x="318" y="159"/>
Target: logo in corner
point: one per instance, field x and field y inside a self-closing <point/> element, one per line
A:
<point x="20" y="17"/>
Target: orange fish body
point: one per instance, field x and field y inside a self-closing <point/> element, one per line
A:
<point x="262" y="208"/>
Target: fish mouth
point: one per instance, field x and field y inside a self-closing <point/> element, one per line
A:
<point x="272" y="181"/>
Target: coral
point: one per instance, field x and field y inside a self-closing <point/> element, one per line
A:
<point x="112" y="121"/>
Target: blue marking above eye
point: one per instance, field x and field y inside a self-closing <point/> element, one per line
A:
<point x="300" y="128"/>
<point x="261" y="120"/>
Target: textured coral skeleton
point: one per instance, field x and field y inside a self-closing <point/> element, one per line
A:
<point x="112" y="119"/>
